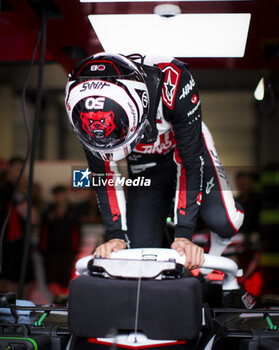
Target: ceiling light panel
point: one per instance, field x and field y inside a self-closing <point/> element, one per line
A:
<point x="183" y="35"/>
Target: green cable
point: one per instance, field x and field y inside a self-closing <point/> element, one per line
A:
<point x="17" y="338"/>
<point x="272" y="326"/>
<point x="40" y="321"/>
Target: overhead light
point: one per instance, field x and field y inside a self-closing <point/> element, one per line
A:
<point x="266" y="94"/>
<point x="167" y="10"/>
<point x="183" y="35"/>
<point x="259" y="92"/>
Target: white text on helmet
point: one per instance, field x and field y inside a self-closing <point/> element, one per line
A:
<point x="93" y="85"/>
<point x="95" y="103"/>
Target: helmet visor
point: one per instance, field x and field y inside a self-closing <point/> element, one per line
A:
<point x="117" y="152"/>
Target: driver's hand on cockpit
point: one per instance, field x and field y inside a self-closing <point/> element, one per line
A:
<point x="194" y="254"/>
<point x="114" y="245"/>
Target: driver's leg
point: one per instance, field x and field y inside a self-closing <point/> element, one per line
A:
<point x="219" y="211"/>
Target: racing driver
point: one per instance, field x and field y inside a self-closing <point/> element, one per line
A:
<point x="148" y="110"/>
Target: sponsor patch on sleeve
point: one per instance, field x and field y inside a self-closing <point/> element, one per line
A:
<point x="172" y="75"/>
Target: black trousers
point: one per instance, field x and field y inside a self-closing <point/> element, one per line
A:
<point x="149" y="207"/>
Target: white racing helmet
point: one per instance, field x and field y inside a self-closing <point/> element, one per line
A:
<point x="107" y="102"/>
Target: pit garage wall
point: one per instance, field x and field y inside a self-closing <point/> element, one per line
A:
<point x="231" y="118"/>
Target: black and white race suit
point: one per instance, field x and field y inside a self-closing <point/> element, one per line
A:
<point x="183" y="168"/>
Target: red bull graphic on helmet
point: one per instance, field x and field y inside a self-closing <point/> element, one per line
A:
<point x="98" y="124"/>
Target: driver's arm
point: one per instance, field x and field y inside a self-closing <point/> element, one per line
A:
<point x="184" y="113"/>
<point x="112" y="205"/>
